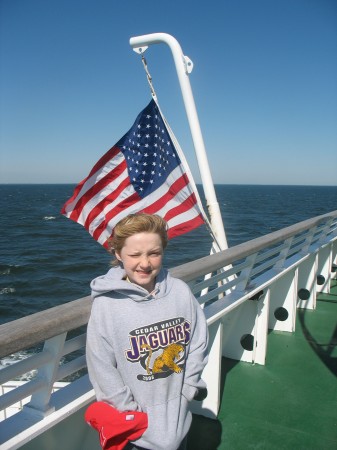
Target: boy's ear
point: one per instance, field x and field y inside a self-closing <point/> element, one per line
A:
<point x="118" y="256"/>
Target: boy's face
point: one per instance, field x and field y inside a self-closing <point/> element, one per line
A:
<point x="142" y="257"/>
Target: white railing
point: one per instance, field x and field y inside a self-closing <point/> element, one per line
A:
<point x="249" y="289"/>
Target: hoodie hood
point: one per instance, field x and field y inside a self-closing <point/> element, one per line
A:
<point x="115" y="281"/>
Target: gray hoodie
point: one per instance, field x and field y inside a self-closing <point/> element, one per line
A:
<point x="145" y="352"/>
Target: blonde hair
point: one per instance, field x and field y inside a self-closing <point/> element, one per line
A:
<point x="137" y="223"/>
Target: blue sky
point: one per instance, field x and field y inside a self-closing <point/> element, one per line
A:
<point x="264" y="83"/>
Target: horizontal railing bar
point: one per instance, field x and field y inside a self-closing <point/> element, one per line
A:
<point x="316" y="245"/>
<point x="21" y="392"/>
<point x="265" y="266"/>
<point x="218" y="277"/>
<point x="331" y="232"/>
<point x="74" y="344"/>
<point x="300" y="238"/>
<point x="270" y="252"/>
<point x="219" y="290"/>
<point x="213" y="294"/>
<point x="25" y="365"/>
<point x="71" y="367"/>
<point x="294" y="250"/>
<point x="296" y="244"/>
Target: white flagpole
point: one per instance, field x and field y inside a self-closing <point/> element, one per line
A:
<point x="184" y="67"/>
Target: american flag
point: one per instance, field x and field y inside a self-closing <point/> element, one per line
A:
<point x="142" y="172"/>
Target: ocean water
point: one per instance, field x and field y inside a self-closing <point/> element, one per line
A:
<point x="47" y="260"/>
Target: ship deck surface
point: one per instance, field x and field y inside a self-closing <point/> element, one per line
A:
<point x="291" y="402"/>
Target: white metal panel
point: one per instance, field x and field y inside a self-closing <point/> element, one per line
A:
<point x="307" y="282"/>
<point x="239" y="324"/>
<point x="334" y="260"/>
<point x="324" y="268"/>
<point x="283" y="297"/>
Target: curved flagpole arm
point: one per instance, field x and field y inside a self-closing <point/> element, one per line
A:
<point x="183" y="67"/>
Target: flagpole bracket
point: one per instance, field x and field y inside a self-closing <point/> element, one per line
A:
<point x="141" y="49"/>
<point x="188" y="64"/>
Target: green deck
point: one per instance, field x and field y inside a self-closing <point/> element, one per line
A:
<point x="291" y="402"/>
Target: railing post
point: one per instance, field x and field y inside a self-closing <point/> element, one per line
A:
<point x="306" y="289"/>
<point x="283" y="301"/>
<point x="246" y="272"/>
<point x="324" y="269"/>
<point x="39" y="404"/>
<point x="334" y="260"/>
<point x="283" y="254"/>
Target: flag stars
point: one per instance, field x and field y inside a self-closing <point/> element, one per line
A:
<point x="148" y="150"/>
